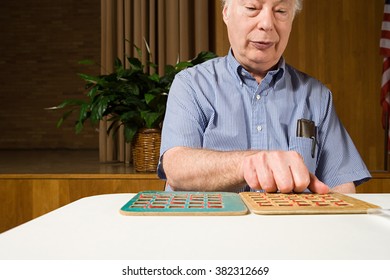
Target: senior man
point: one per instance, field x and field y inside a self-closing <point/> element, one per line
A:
<point x="250" y="122"/>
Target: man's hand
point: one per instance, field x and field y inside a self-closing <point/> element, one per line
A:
<point x="282" y="171"/>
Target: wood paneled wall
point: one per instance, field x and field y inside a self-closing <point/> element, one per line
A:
<point x="27" y="196"/>
<point x="40" y="47"/>
<point x="338" y="43"/>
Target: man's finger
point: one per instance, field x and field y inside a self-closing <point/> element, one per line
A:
<point x="316" y="186"/>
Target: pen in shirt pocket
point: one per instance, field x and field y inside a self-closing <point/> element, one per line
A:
<point x="307" y="128"/>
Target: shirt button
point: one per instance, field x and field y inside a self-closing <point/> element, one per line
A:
<point x="258" y="97"/>
<point x="259" y="128"/>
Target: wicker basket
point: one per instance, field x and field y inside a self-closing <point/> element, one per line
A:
<point x="146" y="150"/>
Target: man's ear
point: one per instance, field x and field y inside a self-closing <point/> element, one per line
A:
<point x="225" y="13"/>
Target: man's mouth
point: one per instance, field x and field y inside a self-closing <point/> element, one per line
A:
<point x="262" y="45"/>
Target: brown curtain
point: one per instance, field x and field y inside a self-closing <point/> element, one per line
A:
<point x="174" y="29"/>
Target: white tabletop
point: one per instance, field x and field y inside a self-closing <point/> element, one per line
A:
<point x="92" y="228"/>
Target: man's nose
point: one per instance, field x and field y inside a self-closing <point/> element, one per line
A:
<point x="265" y="19"/>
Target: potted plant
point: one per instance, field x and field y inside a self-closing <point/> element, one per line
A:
<point x="132" y="97"/>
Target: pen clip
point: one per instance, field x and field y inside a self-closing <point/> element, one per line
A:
<point x="307" y="128"/>
<point x="313" y="146"/>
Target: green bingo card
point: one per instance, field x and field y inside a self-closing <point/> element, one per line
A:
<point x="184" y="203"/>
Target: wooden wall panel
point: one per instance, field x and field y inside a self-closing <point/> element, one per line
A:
<point x="24" y="199"/>
<point x="338" y="43"/>
<point x="380" y="183"/>
<point x="15" y="204"/>
<point x="43" y="43"/>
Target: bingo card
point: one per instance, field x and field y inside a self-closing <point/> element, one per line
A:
<point x="184" y="203"/>
<point x="304" y="203"/>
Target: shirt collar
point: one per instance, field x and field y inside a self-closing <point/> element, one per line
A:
<point x="241" y="74"/>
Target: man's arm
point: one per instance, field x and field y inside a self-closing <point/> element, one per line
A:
<point x="208" y="170"/>
<point x="191" y="169"/>
<point x="345" y="188"/>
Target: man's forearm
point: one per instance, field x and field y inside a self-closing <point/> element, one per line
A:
<point x="204" y="170"/>
<point x="345" y="188"/>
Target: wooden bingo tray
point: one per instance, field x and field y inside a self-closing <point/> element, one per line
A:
<point x="282" y="204"/>
<point x="184" y="203"/>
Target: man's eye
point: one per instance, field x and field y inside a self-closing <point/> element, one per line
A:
<point x="281" y="11"/>
<point x="250" y="8"/>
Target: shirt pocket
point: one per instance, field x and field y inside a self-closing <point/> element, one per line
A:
<point x="304" y="146"/>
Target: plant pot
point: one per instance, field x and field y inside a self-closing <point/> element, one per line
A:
<point x="146" y="151"/>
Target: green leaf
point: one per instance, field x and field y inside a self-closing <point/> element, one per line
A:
<point x="151" y="118"/>
<point x="132" y="88"/>
<point x="92" y="93"/>
<point x="183" y="65"/>
<point x="69" y="102"/>
<point x="79" y="126"/>
<point x="99" y="109"/>
<point x="154" y="77"/>
<point x="83" y="113"/>
<point x="87" y="62"/>
<point x="130" y="131"/>
<point x="135" y="64"/>
<point x="139" y="51"/>
<point x="117" y="63"/>
<point x="149" y="98"/>
<point x="129" y="116"/>
<point x="89" y="78"/>
<point x="63" y="118"/>
<point x="147" y="47"/>
<point x="169" y="69"/>
<point x="202" y="57"/>
<point x="152" y="65"/>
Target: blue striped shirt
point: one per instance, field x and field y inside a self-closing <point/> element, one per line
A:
<point x="218" y="105"/>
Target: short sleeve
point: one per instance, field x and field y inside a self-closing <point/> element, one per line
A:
<point x="339" y="161"/>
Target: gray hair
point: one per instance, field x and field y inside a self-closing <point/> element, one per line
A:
<point x="298" y="5"/>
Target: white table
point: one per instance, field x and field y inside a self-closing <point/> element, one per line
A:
<point x="92" y="228"/>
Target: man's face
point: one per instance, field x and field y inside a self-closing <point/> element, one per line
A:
<point x="258" y="31"/>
